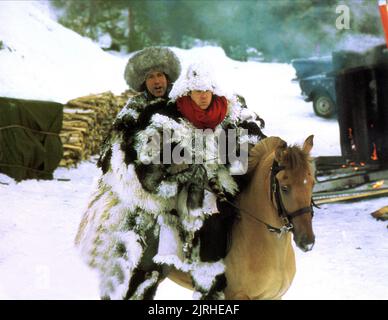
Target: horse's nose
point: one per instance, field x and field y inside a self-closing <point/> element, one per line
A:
<point x="306" y="243"/>
<point x="308" y="247"/>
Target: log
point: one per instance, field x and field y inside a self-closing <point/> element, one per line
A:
<point x="86" y="122"/>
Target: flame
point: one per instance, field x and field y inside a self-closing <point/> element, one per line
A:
<point x="378" y="184"/>
<point x="350" y="133"/>
<point x="374" y="153"/>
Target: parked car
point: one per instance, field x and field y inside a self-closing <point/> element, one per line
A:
<point x="311" y="66"/>
<point x="317" y="82"/>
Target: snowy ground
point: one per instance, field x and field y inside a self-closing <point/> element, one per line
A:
<point x="39" y="219"/>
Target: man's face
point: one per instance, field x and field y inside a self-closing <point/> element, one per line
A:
<point x="156" y="83"/>
<point x="202" y="98"/>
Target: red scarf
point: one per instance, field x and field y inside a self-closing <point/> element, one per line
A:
<point x="203" y="119"/>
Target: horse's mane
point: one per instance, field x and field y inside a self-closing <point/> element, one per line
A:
<point x="297" y="160"/>
<point x="261" y="149"/>
<point x="292" y="157"/>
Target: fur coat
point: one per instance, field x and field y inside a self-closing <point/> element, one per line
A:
<point x="139" y="200"/>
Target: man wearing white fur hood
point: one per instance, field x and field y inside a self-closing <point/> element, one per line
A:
<point x="158" y="191"/>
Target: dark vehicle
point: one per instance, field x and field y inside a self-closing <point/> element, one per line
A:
<point x="317" y="84"/>
<point x="311" y="66"/>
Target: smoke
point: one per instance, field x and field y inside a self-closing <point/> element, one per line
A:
<point x="279" y="29"/>
<point x="287" y="29"/>
<point x="359" y="43"/>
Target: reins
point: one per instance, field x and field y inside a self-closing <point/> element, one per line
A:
<point x="280" y="231"/>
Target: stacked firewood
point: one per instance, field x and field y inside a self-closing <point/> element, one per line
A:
<point x="86" y="122"/>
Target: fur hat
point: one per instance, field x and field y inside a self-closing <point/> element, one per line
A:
<point x="199" y="76"/>
<point x="151" y="59"/>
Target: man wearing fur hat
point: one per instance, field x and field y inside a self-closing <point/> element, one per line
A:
<point x="193" y="235"/>
<point x="118" y="229"/>
<point x="151" y="72"/>
<point x="143" y="214"/>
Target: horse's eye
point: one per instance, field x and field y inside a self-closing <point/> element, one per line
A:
<point x="285" y="188"/>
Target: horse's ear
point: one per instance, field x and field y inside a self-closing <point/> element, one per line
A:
<point x="280" y="150"/>
<point x="308" y="144"/>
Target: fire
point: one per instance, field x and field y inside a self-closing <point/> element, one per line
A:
<point x="374" y="153"/>
<point x="350" y="135"/>
<point x="378" y="184"/>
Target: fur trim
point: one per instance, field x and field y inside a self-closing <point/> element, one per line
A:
<point x="169" y="241"/>
<point x="167" y="189"/>
<point x="115" y="271"/>
<point x="151" y="59"/>
<point x="124" y="182"/>
<point x="204" y="273"/>
<point x="128" y="111"/>
<point x="172" y="260"/>
<point x="152" y="281"/>
<point x="218" y="296"/>
<point x="226" y="181"/>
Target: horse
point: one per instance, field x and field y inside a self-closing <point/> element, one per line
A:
<point x="276" y="202"/>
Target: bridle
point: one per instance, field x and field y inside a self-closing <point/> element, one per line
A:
<point x="282" y="211"/>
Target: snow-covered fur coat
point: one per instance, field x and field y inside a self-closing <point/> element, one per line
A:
<point x="137" y="202"/>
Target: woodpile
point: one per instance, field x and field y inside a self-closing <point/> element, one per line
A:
<point x="86" y="122"/>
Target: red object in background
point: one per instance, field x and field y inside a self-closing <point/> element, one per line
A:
<point x="384" y="17"/>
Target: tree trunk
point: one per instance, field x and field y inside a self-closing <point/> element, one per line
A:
<point x="131" y="31"/>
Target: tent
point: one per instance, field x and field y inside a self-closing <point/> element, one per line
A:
<point x="30" y="146"/>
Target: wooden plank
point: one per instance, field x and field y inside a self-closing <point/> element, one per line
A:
<point x="329" y="161"/>
<point x="338" y="165"/>
<point x="350" y="181"/>
<point x="346" y="196"/>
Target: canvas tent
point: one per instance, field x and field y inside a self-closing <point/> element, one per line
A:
<point x="30" y="146"/>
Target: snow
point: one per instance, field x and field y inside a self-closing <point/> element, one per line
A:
<point x="49" y="61"/>
<point x="39" y="219"/>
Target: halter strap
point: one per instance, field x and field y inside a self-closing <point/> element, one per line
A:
<point x="275" y="190"/>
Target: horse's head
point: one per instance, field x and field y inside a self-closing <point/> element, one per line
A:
<point x="292" y="183"/>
